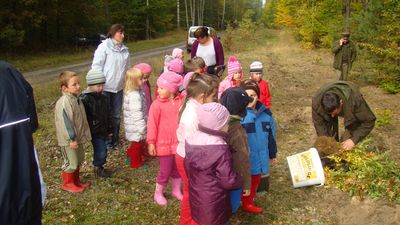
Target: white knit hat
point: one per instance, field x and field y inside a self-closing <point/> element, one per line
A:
<point x="256" y="66"/>
<point x="95" y="77"/>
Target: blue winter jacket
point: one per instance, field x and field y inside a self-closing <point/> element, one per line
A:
<point x="260" y="129"/>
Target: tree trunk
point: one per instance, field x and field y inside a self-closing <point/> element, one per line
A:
<point x="223" y="15"/>
<point x="147" y="21"/>
<point x="187" y="19"/>
<point x="177" y="15"/>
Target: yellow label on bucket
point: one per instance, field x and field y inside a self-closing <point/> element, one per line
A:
<point x="307" y="168"/>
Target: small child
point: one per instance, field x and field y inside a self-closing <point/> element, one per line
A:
<point x="175" y="66"/>
<point x="256" y="73"/>
<point x="234" y="77"/>
<point x="208" y="164"/>
<point x="99" y="119"/>
<point x="135" y="117"/>
<point x="72" y="131"/>
<point x="177" y="53"/>
<point x="260" y="128"/>
<point x="235" y="99"/>
<point x="146" y="71"/>
<point x="161" y="134"/>
<point x="196" y="65"/>
<point x="199" y="89"/>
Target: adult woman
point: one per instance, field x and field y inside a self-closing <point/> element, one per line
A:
<point x="208" y="48"/>
<point x="112" y="58"/>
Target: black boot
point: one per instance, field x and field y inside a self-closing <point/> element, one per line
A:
<point x="264" y="184"/>
<point x="101" y="172"/>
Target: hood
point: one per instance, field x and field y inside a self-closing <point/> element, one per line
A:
<point x="202" y="157"/>
<point x="110" y="44"/>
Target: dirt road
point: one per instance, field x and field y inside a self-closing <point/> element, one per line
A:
<point x="44" y="75"/>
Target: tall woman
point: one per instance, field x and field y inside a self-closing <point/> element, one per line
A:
<point x="112" y="58"/>
<point x="208" y="48"/>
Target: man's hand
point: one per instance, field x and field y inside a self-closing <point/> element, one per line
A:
<point x="73" y="145"/>
<point x="152" y="149"/>
<point x="348" y="144"/>
<point x="341" y="41"/>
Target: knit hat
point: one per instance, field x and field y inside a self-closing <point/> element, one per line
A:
<point x="177" y="53"/>
<point x="176" y="65"/>
<point x="234" y="66"/>
<point x="144" y="68"/>
<point x="212" y="115"/>
<point x="186" y="80"/>
<point x="250" y="85"/>
<point x="170" y="81"/>
<point x="95" y="77"/>
<point x="256" y="66"/>
<point x="235" y="99"/>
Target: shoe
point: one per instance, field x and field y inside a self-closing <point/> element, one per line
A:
<point x="159" y="195"/>
<point x="68" y="183"/>
<point x="252" y="209"/>
<point x="176" y="188"/>
<point x="77" y="179"/>
<point x="101" y="172"/>
<point x="264" y="184"/>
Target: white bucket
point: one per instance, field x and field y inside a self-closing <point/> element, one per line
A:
<point x="306" y="168"/>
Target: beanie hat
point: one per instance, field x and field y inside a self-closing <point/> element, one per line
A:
<point x="256" y="66"/>
<point x="186" y="81"/>
<point x="235" y="99"/>
<point x="175" y="65"/>
<point x="233" y="66"/>
<point x="170" y="81"/>
<point x="144" y="68"/>
<point x="95" y="77"/>
<point x="212" y="115"/>
<point x="250" y="85"/>
<point x="177" y="53"/>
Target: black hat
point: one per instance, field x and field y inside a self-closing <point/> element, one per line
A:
<point x="235" y="99"/>
<point x="252" y="85"/>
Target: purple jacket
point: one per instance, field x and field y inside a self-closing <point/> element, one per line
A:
<point x="211" y="177"/>
<point x="147" y="95"/>
<point x="219" y="51"/>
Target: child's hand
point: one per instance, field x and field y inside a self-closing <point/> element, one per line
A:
<point x="273" y="161"/>
<point x="73" y="145"/>
<point x="152" y="149"/>
<point x="246" y="193"/>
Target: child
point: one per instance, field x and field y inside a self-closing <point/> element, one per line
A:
<point x="161" y="134"/>
<point x="135" y="117"/>
<point x="177" y="53"/>
<point x="72" y="131"/>
<point x="196" y="65"/>
<point x="175" y="66"/>
<point x="235" y="99"/>
<point x="260" y="128"/>
<point x="99" y="119"/>
<point x="209" y="167"/>
<point x="256" y="73"/>
<point x="200" y="89"/>
<point x="234" y="77"/>
<point x="146" y="71"/>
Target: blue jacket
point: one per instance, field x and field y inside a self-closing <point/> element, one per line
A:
<point x="260" y="129"/>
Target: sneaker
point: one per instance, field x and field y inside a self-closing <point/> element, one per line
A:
<point x="101" y="172"/>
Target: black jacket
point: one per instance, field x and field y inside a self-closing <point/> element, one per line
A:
<point x="97" y="113"/>
<point x="20" y="195"/>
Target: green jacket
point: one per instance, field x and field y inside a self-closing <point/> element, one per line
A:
<point x="339" y="50"/>
<point x="359" y="120"/>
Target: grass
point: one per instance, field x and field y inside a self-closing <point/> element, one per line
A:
<point x="35" y="61"/>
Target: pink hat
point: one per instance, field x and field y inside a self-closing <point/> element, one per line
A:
<point x="186" y="80"/>
<point x="176" y="65"/>
<point x="170" y="81"/>
<point x="234" y="66"/>
<point x="177" y="53"/>
<point x="212" y="115"/>
<point x="144" y="68"/>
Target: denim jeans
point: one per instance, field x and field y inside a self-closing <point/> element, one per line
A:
<point x="114" y="107"/>
<point x="99" y="151"/>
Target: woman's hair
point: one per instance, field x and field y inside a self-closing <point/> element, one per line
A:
<point x="193" y="64"/>
<point x="201" y="32"/>
<point x="64" y="77"/>
<point x="132" y="78"/>
<point x="114" y="29"/>
<point x="202" y="84"/>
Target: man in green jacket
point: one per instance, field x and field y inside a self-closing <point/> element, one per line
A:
<point x="342" y="99"/>
<point x="345" y="54"/>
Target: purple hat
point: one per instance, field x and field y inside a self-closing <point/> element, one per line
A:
<point x="176" y="65"/>
<point x="212" y="115"/>
<point x="144" y="68"/>
<point x="170" y="81"/>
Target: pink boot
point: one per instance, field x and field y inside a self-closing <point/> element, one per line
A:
<point x="159" y="195"/>
<point x="176" y="188"/>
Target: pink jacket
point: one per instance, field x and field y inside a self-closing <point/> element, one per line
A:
<point x="162" y="124"/>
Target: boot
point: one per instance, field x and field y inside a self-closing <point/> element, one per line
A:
<point x="77" y="180"/>
<point x="68" y="183"/>
<point x="264" y="184"/>
<point x="159" y="195"/>
<point x="101" y="172"/>
<point x="176" y="188"/>
<point x="251" y="208"/>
